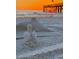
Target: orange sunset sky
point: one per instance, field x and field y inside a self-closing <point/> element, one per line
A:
<point x="33" y="4"/>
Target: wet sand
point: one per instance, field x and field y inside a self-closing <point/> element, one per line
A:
<point x="54" y="23"/>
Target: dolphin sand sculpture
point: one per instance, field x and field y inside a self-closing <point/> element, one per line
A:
<point x="38" y="27"/>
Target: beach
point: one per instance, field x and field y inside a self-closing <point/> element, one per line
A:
<point x="50" y="36"/>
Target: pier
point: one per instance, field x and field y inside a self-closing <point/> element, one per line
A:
<point x="58" y="7"/>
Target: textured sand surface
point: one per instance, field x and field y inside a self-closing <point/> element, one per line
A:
<point x="50" y="44"/>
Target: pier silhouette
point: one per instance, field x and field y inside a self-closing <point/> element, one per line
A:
<point x="58" y="7"/>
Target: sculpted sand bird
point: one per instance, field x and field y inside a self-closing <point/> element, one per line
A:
<point x="30" y="37"/>
<point x="34" y="25"/>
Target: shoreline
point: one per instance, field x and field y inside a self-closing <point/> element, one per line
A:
<point x="21" y="16"/>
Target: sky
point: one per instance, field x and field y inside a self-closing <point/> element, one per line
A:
<point x="33" y="4"/>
